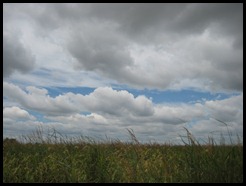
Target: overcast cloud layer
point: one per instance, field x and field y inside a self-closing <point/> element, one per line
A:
<point x="154" y="46"/>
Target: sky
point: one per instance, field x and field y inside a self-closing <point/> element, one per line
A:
<point x="99" y="69"/>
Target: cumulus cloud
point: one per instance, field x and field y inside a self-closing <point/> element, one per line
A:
<point x="17" y="113"/>
<point x="107" y="100"/>
<point x="37" y="99"/>
<point x="116" y="110"/>
<point x="227" y="110"/>
<point x="102" y="100"/>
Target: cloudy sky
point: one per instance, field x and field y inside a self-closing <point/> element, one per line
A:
<point x="100" y="69"/>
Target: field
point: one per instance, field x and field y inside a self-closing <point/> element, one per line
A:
<point x="87" y="161"/>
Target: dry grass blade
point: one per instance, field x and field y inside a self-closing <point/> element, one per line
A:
<point x="133" y="136"/>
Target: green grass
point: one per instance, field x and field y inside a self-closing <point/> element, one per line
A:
<point x="81" y="160"/>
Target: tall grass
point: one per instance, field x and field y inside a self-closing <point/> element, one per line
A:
<point x="57" y="158"/>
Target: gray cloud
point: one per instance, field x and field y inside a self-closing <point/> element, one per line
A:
<point x="153" y="19"/>
<point x="143" y="45"/>
<point x="138" y="19"/>
<point x="198" y="16"/>
<point x="187" y="23"/>
<point x="15" y="56"/>
<point x="97" y="51"/>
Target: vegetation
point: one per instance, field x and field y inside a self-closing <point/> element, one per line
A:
<point x="54" y="159"/>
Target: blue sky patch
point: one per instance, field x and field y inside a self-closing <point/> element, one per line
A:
<point x="157" y="96"/>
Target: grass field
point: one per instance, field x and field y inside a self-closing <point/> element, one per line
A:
<point x="85" y="160"/>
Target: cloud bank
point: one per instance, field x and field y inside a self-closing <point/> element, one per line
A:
<point x="159" y="46"/>
<point x="107" y="109"/>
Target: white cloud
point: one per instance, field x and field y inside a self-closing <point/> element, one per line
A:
<point x="16" y="113"/>
<point x="113" y="110"/>
<point x="178" y="114"/>
<point x="227" y="110"/>
<point x="37" y="99"/>
<point x="114" y="102"/>
<point x="36" y="91"/>
<point x="102" y="100"/>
